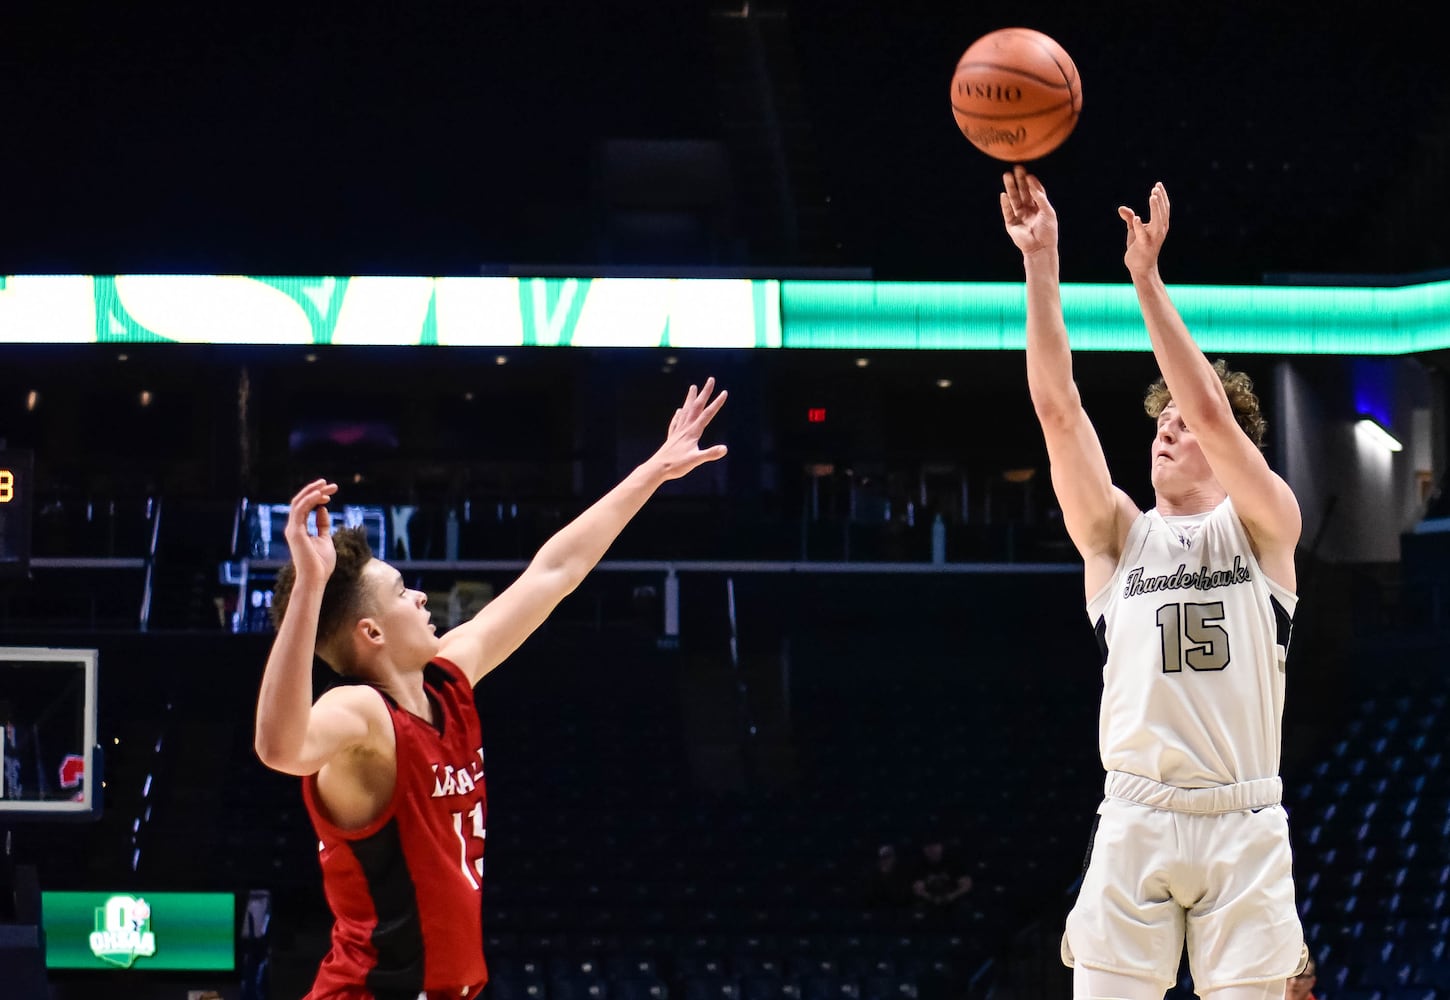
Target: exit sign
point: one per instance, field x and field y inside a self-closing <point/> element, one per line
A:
<point x="816" y="415"/>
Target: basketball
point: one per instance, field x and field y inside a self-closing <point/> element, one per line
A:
<point x="1016" y="94"/>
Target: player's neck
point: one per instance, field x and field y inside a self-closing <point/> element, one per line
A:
<point x="405" y="688"/>
<point x="1197" y="499"/>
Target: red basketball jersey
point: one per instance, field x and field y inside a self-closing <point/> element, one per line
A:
<point x="406" y="890"/>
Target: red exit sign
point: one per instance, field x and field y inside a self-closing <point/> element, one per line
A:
<point x="816" y="415"/>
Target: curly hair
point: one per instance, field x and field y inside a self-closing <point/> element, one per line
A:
<point x="345" y="599"/>
<point x="1241" y="398"/>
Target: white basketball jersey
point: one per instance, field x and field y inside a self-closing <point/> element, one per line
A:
<point x="1194" y="638"/>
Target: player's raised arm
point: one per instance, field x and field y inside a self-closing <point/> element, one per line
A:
<point x="479" y="645"/>
<point x="1262" y="499"/>
<point x="1096" y="513"/>
<point x="291" y="734"/>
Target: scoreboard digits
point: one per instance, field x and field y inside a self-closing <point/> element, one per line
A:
<point x="15" y="510"/>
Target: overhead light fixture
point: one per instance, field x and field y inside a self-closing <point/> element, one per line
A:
<point x="1373" y="430"/>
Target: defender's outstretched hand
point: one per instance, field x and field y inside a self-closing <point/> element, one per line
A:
<point x="1145" y="239"/>
<point x="1026" y="212"/>
<point x="681" y="451"/>
<point x="313" y="555"/>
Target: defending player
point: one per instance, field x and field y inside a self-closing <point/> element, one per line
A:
<point x="1192" y="602"/>
<point x="392" y="764"/>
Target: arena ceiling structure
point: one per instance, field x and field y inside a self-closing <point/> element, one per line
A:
<point x="1298" y="143"/>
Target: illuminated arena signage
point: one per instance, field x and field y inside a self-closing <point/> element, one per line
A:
<point x="15" y="490"/>
<point x="698" y="312"/>
<point x="139" y="930"/>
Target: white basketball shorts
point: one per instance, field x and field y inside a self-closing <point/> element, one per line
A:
<point x="1223" y="881"/>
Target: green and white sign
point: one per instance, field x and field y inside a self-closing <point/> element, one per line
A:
<point x="699" y="312"/>
<point x="160" y="930"/>
<point x="398" y="311"/>
<point x="123" y="931"/>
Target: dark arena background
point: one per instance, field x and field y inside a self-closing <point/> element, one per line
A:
<point x="465" y="258"/>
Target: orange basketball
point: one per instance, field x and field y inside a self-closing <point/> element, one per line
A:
<point x="1016" y="94"/>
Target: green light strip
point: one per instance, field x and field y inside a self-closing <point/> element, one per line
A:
<point x="682" y="313"/>
<point x="864" y="315"/>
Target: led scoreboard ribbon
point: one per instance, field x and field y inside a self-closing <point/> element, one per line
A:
<point x="15" y="509"/>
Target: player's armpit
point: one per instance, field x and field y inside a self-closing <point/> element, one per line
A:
<point x="344" y="718"/>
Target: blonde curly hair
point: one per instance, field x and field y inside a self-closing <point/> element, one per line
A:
<point x="1241" y="397"/>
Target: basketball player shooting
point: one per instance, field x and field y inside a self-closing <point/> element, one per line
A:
<point x="392" y="763"/>
<point x="1192" y="603"/>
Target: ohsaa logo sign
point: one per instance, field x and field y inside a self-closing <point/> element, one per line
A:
<point x="123" y="931"/>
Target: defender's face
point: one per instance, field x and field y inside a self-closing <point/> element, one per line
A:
<point x="402" y="613"/>
<point x="1299" y="987"/>
<point x="1178" y="461"/>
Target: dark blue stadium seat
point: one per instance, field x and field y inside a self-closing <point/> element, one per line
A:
<point x="638" y="988"/>
<point x="926" y="967"/>
<point x="541" y="942"/>
<point x="769" y="988"/>
<point x="869" y="964"/>
<point x="823" y="987"/>
<point x="499" y="943"/>
<point x="1424" y="902"/>
<point x="649" y="943"/>
<point x="578" y="987"/>
<point x="888" y="988"/>
<point x="817" y="965"/>
<point x="757" y="966"/>
<point x="697" y="965"/>
<point x="574" y="966"/>
<point x="524" y="966"/>
<point x="622" y="965"/>
<point x="1384" y="974"/>
<point x="711" y="988"/>
<point x="1362" y="954"/>
<point x="713" y="944"/>
<point x="1435" y="972"/>
<point x="510" y="988"/>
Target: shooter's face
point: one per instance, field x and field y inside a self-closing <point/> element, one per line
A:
<point x="1178" y="461"/>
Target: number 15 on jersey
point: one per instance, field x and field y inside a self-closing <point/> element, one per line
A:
<point x="1193" y="634"/>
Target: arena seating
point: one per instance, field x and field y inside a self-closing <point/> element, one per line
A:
<point x="645" y="844"/>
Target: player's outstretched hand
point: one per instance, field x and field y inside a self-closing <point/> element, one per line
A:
<point x="313" y="555"/>
<point x="1029" y="217"/>
<point x="681" y="451"/>
<point x="1145" y="239"/>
